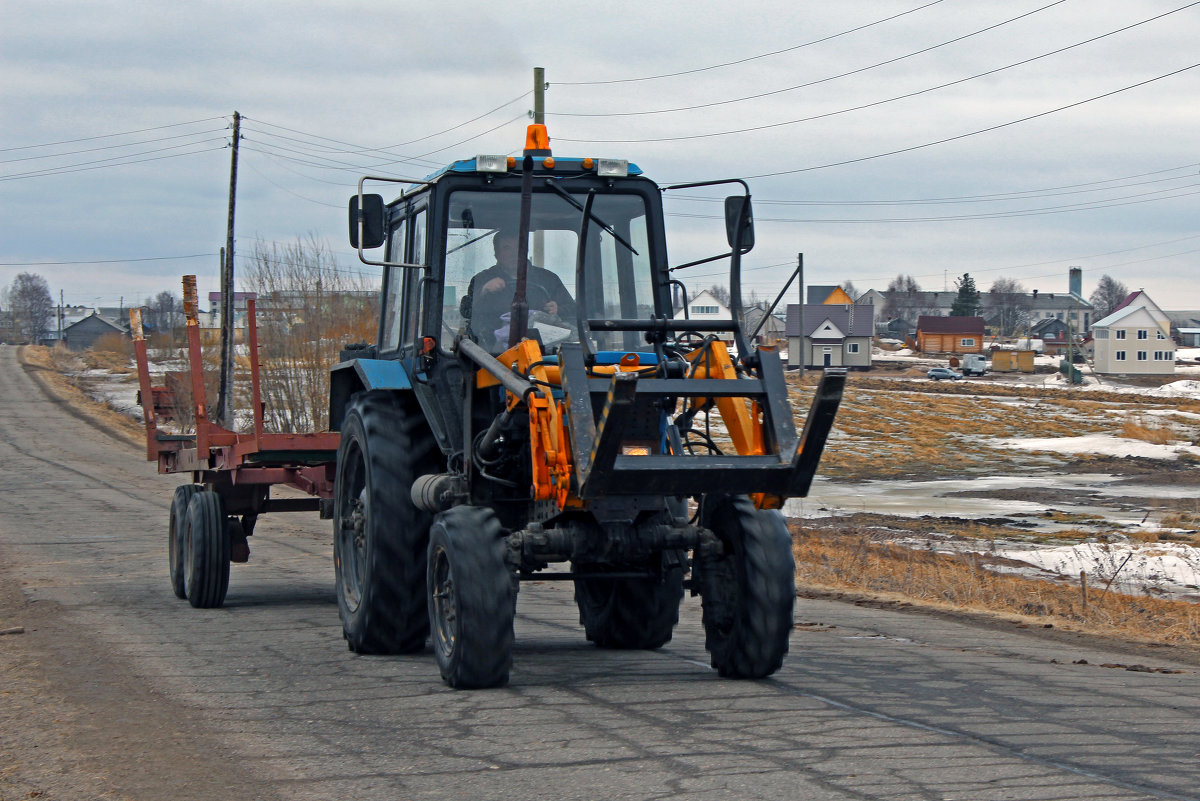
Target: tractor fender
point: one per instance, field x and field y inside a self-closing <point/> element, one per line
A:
<point x="359" y="375"/>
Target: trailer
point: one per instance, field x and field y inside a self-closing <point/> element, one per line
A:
<point x="232" y="473"/>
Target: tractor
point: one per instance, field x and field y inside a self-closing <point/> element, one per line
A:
<point x="535" y="408"/>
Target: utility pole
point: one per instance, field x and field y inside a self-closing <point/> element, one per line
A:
<point x="60" y="315"/>
<point x="539" y="95"/>
<point x="803" y="349"/>
<point x="225" y="390"/>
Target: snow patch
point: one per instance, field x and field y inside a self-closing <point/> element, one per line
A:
<point x="1099" y="444"/>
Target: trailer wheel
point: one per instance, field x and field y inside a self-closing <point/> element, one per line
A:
<point x="206" y="551"/>
<point x="379" y="536"/>
<point x="175" y="536"/>
<point x="749" y="593"/>
<point x="472" y="598"/>
<point x="631" y="613"/>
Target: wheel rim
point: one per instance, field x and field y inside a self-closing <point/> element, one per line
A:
<point x="352" y="532"/>
<point x="444" y="603"/>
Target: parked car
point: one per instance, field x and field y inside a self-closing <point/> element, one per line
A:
<point x="938" y="373"/>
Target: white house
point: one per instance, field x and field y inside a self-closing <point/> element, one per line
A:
<point x="1134" y="340"/>
<point x="705" y="306"/>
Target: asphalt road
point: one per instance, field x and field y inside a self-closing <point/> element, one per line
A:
<point x="119" y="690"/>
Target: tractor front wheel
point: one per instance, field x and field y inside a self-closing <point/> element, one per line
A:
<point x="472" y="598"/>
<point x="748" y="593"/>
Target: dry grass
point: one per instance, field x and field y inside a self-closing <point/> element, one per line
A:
<point x="1137" y="428"/>
<point x="890" y="428"/>
<point x="850" y="561"/>
<point x="51" y="366"/>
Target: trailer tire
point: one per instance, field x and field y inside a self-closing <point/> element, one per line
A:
<point x="748" y="593"/>
<point x="175" y="536"/>
<point x="379" y="536"/>
<point x="206" y="551"/>
<point x="629" y="613"/>
<point x="472" y="598"/>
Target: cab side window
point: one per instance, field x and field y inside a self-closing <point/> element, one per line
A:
<point x="412" y="278"/>
<point x="393" y="297"/>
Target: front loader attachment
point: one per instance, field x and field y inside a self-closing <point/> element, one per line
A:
<point x="770" y="459"/>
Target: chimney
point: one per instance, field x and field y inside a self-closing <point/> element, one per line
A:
<point x="1077" y="282"/>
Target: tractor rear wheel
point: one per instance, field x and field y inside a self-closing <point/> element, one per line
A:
<point x="379" y="536"/>
<point x="629" y="612"/>
<point x="175" y="536"/>
<point x="472" y="598"/>
<point x="206" y="551"/>
<point x="748" y="593"/>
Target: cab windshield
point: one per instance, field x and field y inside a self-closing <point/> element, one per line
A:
<point x="481" y="264"/>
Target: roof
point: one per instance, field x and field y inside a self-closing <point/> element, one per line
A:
<point x="1122" y="314"/>
<point x="950" y="325"/>
<point x="1057" y="300"/>
<point x="94" y="316"/>
<point x="1043" y="326"/>
<point x="817" y="294"/>
<point x="853" y="321"/>
<point x="561" y="165"/>
<point x="754" y="316"/>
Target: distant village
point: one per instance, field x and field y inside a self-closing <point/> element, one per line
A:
<point x="832" y="328"/>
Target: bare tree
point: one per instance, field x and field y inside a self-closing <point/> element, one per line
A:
<point x="308" y="308"/>
<point x="721" y="293"/>
<point x="32" y="306"/>
<point x="1108" y="296"/>
<point x="902" y="297"/>
<point x="1008" y="303"/>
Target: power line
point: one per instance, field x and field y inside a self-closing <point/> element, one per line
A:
<point x="832" y="77"/>
<point x="1127" y="200"/>
<point x="1024" y="194"/>
<point x="282" y="188"/>
<point x="872" y="104"/>
<point x="980" y="131"/>
<point x="108" y="147"/>
<point x="108" y="136"/>
<point x="104" y="261"/>
<point x="749" y="58"/>
<point x="67" y="170"/>
<point x="360" y="149"/>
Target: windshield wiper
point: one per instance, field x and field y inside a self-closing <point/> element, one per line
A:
<point x="552" y="184"/>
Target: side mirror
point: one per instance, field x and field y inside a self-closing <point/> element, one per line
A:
<point x="371" y="215"/>
<point x="738" y="217"/>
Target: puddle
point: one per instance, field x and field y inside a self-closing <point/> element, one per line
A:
<point x="918" y="498"/>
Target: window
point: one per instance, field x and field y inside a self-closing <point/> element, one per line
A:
<point x="1120" y="355"/>
<point x="1120" y="333"/>
<point x="1142" y="333"/>
<point x="1141" y="355"/>
<point x="393" y="297"/>
<point x="1100" y="333"/>
<point x="705" y="309"/>
<point x="1161" y="335"/>
<point x="967" y="342"/>
<point x="617" y="272"/>
<point x="1162" y="355"/>
<point x="851" y="347"/>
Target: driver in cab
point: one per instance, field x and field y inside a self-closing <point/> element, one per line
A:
<point x="490" y="295"/>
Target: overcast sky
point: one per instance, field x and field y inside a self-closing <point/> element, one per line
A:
<point x="879" y="137"/>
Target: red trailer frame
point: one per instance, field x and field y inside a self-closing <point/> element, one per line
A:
<point x="240" y="467"/>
